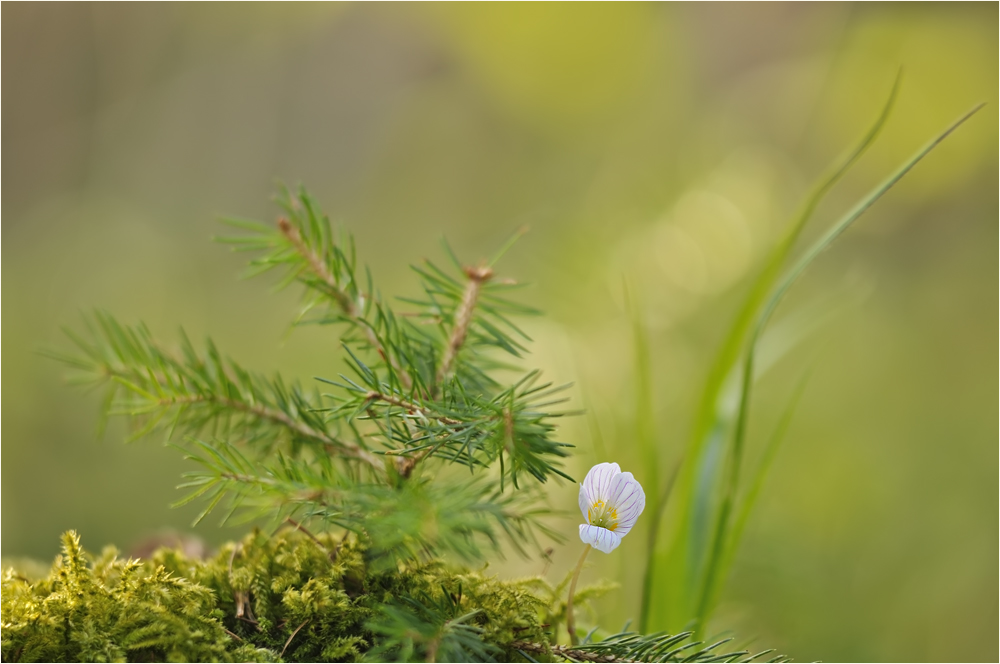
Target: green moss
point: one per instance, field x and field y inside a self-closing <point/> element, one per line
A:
<point x="285" y="597"/>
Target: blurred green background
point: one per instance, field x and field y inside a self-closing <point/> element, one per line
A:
<point x="658" y="146"/>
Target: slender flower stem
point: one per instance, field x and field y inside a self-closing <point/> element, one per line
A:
<point x="570" y="619"/>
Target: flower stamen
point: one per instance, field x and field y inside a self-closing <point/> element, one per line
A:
<point x="603" y="515"/>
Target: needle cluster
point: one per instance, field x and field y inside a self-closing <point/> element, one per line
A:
<point x="418" y="448"/>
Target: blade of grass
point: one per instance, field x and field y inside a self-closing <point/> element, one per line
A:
<point x="769" y="274"/>
<point x="654" y="533"/>
<point x="644" y="425"/>
<point x="712" y="417"/>
<point x="746" y="506"/>
<point x="739" y="435"/>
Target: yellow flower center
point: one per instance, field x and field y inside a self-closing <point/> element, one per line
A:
<point x="603" y="516"/>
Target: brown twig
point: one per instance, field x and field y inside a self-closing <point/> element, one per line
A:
<point x="278" y="417"/>
<point x="292" y="637"/>
<point x="410" y="407"/>
<point x="463" y="318"/>
<point x="235" y="636"/>
<point x="432" y="650"/>
<point x="406" y="465"/>
<point x="241" y="597"/>
<point x="346" y="304"/>
<point x="508" y="431"/>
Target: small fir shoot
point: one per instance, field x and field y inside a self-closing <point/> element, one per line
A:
<point x="373" y="451"/>
<point x="419" y="451"/>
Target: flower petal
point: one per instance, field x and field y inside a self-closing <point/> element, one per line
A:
<point x="598" y="481"/>
<point x="585" y="502"/>
<point x="601" y="539"/>
<point x="628" y="499"/>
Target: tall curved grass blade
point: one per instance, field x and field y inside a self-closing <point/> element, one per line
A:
<point x="748" y="502"/>
<point x="714" y="414"/>
<point x="644" y="429"/>
<point x="654" y="533"/>
<point x="645" y="426"/>
<point x="729" y="353"/>
<point x="739" y="436"/>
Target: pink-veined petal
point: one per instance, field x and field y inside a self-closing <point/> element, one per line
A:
<point x="585" y="503"/>
<point x="628" y="499"/>
<point x="601" y="539"/>
<point x="597" y="483"/>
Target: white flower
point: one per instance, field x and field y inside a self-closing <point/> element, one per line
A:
<point x="611" y="501"/>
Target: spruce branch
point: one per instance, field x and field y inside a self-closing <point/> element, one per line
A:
<point x="407" y="460"/>
<point x="566" y="652"/>
<point x="300" y="429"/>
<point x="633" y="647"/>
<point x="467" y="313"/>
<point x="305" y="244"/>
<point x="420" y="393"/>
<point x="475" y="430"/>
<point x="463" y="317"/>
<point x="198" y="392"/>
<point x="409" y="407"/>
<point x="347" y="304"/>
<point x="412" y="520"/>
<point x="433" y="628"/>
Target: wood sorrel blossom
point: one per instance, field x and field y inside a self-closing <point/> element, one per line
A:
<point x="611" y="501"/>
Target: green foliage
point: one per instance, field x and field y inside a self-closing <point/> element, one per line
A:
<point x="112" y="611"/>
<point x="418" y="452"/>
<point x="690" y="559"/>
<point x="297" y="597"/>
<point x="418" y="449"/>
<point x="666" y="648"/>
